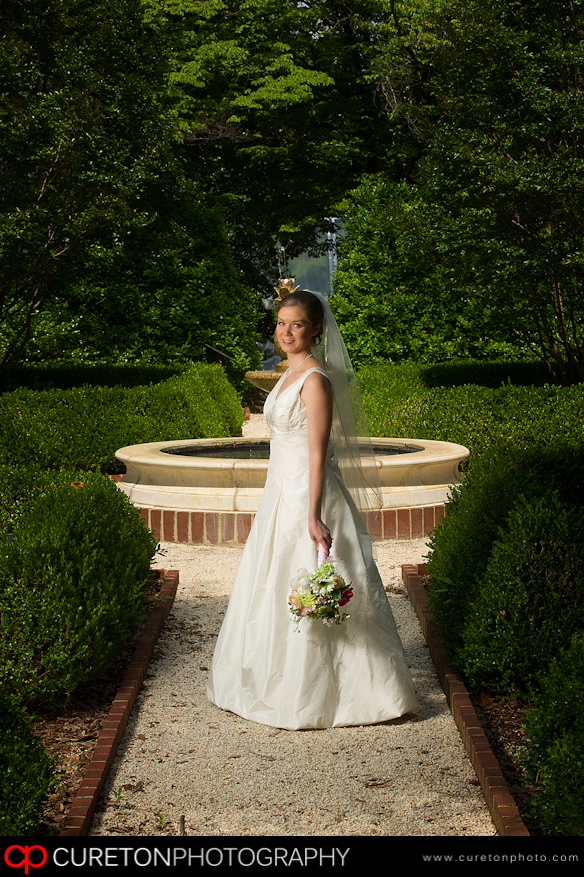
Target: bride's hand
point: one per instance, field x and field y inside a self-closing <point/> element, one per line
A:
<point x="320" y="534"/>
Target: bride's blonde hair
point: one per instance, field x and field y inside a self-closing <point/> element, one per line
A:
<point x="310" y="306"/>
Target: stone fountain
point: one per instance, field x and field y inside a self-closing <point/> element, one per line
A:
<point x="208" y="490"/>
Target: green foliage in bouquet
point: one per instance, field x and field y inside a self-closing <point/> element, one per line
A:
<point x="319" y="595"/>
<point x="27" y="773"/>
<point x="71" y="586"/>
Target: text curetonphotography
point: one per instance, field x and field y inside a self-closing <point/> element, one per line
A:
<point x="212" y="857"/>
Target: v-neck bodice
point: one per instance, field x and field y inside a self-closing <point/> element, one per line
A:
<point x="301" y="377"/>
<point x="285" y="414"/>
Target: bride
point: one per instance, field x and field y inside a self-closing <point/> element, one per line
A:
<point x="317" y="677"/>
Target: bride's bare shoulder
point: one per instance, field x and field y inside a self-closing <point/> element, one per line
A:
<point x="319" y="373"/>
<point x="317" y="383"/>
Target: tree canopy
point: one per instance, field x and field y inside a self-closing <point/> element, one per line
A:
<point x="157" y="153"/>
<point x="84" y="136"/>
<point x="280" y="112"/>
<point x="504" y="174"/>
<point x="394" y="302"/>
<point x="491" y="226"/>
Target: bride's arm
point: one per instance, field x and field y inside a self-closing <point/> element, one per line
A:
<point x="318" y="399"/>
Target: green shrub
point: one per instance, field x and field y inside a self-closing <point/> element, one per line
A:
<point x="530" y="599"/>
<point x="507" y="563"/>
<point x="398" y="404"/>
<point x="492" y="374"/>
<point x="81" y="428"/>
<point x="512" y="542"/>
<point x="49" y="376"/>
<point x="27" y="773"/>
<point x="555" y="753"/>
<point x="21" y="487"/>
<point x="71" y="586"/>
<point x="213" y="407"/>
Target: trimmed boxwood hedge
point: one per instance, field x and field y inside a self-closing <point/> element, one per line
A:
<point x="507" y="587"/>
<point x="81" y="428"/>
<point x="27" y="772"/>
<point x="529" y="600"/>
<point x="517" y="517"/>
<point x="555" y="756"/>
<point x="73" y="577"/>
<point x="398" y="404"/>
<point x="41" y="376"/>
<point x="71" y="587"/>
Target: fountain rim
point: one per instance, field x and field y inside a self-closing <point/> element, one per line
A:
<point x="150" y="453"/>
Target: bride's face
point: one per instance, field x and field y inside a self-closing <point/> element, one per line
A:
<point x="294" y="331"/>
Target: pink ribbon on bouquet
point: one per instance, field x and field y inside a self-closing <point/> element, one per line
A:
<point x="323" y="555"/>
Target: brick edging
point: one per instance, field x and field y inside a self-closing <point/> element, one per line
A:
<point x="221" y="528"/>
<point x="499" y="799"/>
<point x="80" y="815"/>
<point x="206" y="527"/>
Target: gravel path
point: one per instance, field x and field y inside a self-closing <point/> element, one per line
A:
<point x="181" y="756"/>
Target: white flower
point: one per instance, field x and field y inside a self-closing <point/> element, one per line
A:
<point x="301" y="580"/>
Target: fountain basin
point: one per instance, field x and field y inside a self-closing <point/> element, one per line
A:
<point x="189" y="498"/>
<point x="264" y="380"/>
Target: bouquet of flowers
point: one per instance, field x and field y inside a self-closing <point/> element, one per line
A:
<point x="320" y="594"/>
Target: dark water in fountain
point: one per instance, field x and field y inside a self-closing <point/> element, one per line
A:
<point x="251" y="451"/>
<point x="261" y="450"/>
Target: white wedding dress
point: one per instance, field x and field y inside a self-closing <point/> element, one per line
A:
<point x="319" y="677"/>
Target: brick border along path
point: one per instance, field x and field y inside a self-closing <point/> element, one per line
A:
<point x="499" y="799"/>
<point x="78" y="821"/>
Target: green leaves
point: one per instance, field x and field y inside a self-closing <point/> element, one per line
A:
<point x="394" y="298"/>
<point x="70" y="588"/>
<point x="480" y="253"/>
<point x="27" y="773"/>
<point x="503" y="174"/>
<point x="277" y="101"/>
<point x="84" y="130"/>
<point x="555" y="756"/>
<point x="283" y="85"/>
<point x="81" y="428"/>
